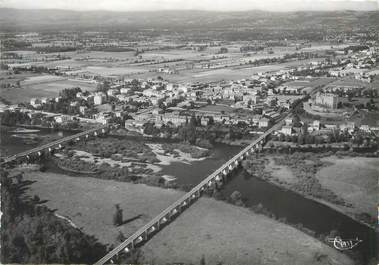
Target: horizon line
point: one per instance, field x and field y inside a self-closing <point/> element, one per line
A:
<point x="195" y="10"/>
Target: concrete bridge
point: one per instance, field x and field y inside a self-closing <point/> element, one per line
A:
<point x="218" y="177"/>
<point x="55" y="145"/>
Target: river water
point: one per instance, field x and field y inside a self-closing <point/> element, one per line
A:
<point x="287" y="204"/>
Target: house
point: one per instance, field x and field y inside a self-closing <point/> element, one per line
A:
<point x="99" y="98"/>
<point x="172" y="117"/>
<point x="112" y="92"/>
<point x="35" y="102"/>
<point x="286" y="130"/>
<point x="62" y="118"/>
<point x="83" y="110"/>
<point x="74" y="103"/>
<point x="263" y="123"/>
<point x="45" y="100"/>
<point x="349" y="126"/>
<point x="103" y="118"/>
<point x="316" y="125"/>
<point x="365" y="127"/>
<point x="124" y="90"/>
<point x="289" y="121"/>
<point x="250" y="98"/>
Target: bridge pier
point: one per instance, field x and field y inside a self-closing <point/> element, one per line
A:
<point x="138" y="240"/>
<point x="163" y="221"/>
<point x="174" y="212"/>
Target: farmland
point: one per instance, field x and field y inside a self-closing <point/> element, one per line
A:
<point x="42" y="86"/>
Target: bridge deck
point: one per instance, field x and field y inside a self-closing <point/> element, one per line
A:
<point x="51" y="144"/>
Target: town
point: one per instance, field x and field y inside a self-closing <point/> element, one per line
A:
<point x="139" y="117"/>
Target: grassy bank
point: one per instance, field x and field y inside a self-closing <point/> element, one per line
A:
<point x="32" y="233"/>
<point x="221" y="232"/>
<point x="355" y="180"/>
<point x="315" y="176"/>
<point x="89" y="202"/>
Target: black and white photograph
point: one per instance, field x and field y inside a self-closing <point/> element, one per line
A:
<point x="189" y="132"/>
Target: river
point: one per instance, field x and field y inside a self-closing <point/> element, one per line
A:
<point x="283" y="203"/>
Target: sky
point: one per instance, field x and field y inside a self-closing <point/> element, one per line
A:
<point x="217" y="5"/>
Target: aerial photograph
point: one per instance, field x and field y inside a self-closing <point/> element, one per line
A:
<point x="189" y="132"/>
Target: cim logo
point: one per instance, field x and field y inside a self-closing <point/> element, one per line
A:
<point x="344" y="244"/>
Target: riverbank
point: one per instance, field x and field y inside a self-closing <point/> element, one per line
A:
<point x="201" y="142"/>
<point x="184" y="153"/>
<point x="315" y="177"/>
<point x="355" y="180"/>
<point x="220" y="231"/>
<point x="128" y="160"/>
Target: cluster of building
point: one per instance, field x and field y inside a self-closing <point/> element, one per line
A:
<point x="359" y="66"/>
<point x="318" y="128"/>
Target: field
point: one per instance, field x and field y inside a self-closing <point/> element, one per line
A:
<point x="249" y="239"/>
<point x="125" y="63"/>
<point x="89" y="202"/>
<point x="216" y="108"/>
<point x="227" y="234"/>
<point x="41" y="86"/>
<point x="111" y="71"/>
<point x="353" y="179"/>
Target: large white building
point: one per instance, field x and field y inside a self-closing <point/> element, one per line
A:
<point x="326" y="100"/>
<point x="99" y="98"/>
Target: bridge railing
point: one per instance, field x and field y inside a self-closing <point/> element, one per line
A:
<point x="53" y="143"/>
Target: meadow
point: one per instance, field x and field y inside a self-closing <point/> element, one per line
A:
<point x="38" y="87"/>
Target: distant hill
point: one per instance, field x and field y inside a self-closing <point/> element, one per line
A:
<point x="50" y="19"/>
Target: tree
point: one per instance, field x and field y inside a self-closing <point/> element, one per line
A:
<point x="309" y="139"/>
<point x="300" y="139"/>
<point x="103" y="87"/>
<point x="202" y="260"/>
<point x="296" y="121"/>
<point x="350" y="97"/>
<point x="318" y="140"/>
<point x="117" y="217"/>
<point x="148" y="128"/>
<point x="193" y="121"/>
<point x="304" y="128"/>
